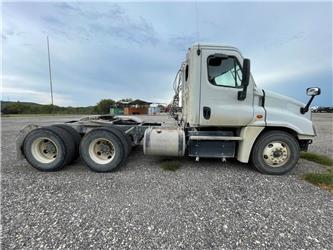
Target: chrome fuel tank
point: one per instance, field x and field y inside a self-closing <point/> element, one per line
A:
<point x="164" y="142"/>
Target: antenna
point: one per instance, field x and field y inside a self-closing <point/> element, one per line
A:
<point x="48" y="52"/>
<point x="197" y="25"/>
<point x="197" y="20"/>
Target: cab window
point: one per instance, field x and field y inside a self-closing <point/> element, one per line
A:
<point x="224" y="71"/>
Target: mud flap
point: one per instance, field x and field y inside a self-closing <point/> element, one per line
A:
<point x="20" y="139"/>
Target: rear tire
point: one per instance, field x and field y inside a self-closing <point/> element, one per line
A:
<point x="125" y="139"/>
<point x="102" y="150"/>
<point x="76" y="138"/>
<point x="48" y="148"/>
<point x="275" y="153"/>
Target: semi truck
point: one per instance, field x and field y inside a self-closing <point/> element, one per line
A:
<point x="220" y="113"/>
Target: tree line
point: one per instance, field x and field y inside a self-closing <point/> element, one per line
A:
<point x="102" y="107"/>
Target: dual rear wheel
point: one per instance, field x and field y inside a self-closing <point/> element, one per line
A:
<point x="51" y="148"/>
<point x="105" y="149"/>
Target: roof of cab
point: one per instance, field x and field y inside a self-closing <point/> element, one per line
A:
<point x="213" y="46"/>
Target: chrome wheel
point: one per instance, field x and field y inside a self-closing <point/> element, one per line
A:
<point x="101" y="151"/>
<point x="44" y="150"/>
<point x="276" y="154"/>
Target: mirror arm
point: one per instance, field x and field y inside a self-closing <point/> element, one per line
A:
<point x="242" y="94"/>
<point x="306" y="108"/>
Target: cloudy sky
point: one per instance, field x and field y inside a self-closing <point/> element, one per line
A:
<point x="117" y="50"/>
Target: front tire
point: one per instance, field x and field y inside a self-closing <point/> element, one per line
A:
<point x="275" y="153"/>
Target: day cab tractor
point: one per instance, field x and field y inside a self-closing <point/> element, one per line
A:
<point x="220" y="113"/>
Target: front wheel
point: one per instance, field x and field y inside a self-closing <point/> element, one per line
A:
<point x="275" y="152"/>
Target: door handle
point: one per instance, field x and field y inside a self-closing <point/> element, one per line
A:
<point x="206" y="112"/>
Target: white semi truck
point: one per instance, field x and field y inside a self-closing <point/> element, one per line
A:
<point x="223" y="114"/>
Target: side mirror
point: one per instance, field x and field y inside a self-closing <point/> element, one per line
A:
<point x="313" y="91"/>
<point x="310" y="92"/>
<point x="246" y="72"/>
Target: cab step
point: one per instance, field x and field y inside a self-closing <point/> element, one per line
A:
<point x="215" y="138"/>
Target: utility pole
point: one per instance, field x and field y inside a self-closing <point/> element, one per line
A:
<point x="48" y="52"/>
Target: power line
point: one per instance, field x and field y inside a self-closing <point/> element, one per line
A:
<point x="50" y="74"/>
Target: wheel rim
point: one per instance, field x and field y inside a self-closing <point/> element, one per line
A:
<point x="44" y="150"/>
<point x="101" y="151"/>
<point x="276" y="154"/>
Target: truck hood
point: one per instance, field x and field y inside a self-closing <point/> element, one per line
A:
<point x="284" y="111"/>
<point x="283" y="99"/>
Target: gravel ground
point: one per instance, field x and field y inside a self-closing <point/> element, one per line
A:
<point x="323" y="142"/>
<point x="206" y="205"/>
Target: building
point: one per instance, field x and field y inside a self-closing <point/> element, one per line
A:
<point x="137" y="107"/>
<point x="154" y="109"/>
<point x="118" y="108"/>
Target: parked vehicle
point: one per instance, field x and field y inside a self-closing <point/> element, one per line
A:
<point x="323" y="110"/>
<point x="314" y="109"/>
<point x="223" y="114"/>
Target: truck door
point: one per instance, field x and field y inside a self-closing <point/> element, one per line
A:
<point x="221" y="78"/>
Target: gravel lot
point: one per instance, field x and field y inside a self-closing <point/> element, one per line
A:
<point x="323" y="142"/>
<point x="206" y="205"/>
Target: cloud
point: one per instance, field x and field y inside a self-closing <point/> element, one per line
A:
<point x="91" y="11"/>
<point x="182" y="42"/>
<point x="107" y="22"/>
<point x="8" y="32"/>
<point x="67" y="6"/>
<point x="109" y="50"/>
<point x="288" y="74"/>
<point x="139" y="32"/>
<point x="112" y="22"/>
<point x="41" y="97"/>
<point x="51" y="20"/>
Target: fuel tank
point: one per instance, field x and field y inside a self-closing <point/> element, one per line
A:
<point x="164" y="142"/>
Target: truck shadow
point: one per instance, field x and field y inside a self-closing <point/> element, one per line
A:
<point x="138" y="160"/>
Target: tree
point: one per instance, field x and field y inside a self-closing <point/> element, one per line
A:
<point x="103" y="107"/>
<point x="12" y="108"/>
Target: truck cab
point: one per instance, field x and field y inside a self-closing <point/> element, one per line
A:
<point x="212" y="81"/>
<point x="218" y="95"/>
<point x="214" y="95"/>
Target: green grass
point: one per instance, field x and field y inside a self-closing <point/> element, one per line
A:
<point x="323" y="180"/>
<point x="321" y="159"/>
<point x="170" y="165"/>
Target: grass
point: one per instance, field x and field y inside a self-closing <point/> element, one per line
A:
<point x="323" y="180"/>
<point x="321" y="159"/>
<point x="170" y="165"/>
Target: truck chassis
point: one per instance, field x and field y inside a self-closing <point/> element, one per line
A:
<point x="126" y="131"/>
<point x="131" y="126"/>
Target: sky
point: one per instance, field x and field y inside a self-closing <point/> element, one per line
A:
<point x="133" y="50"/>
